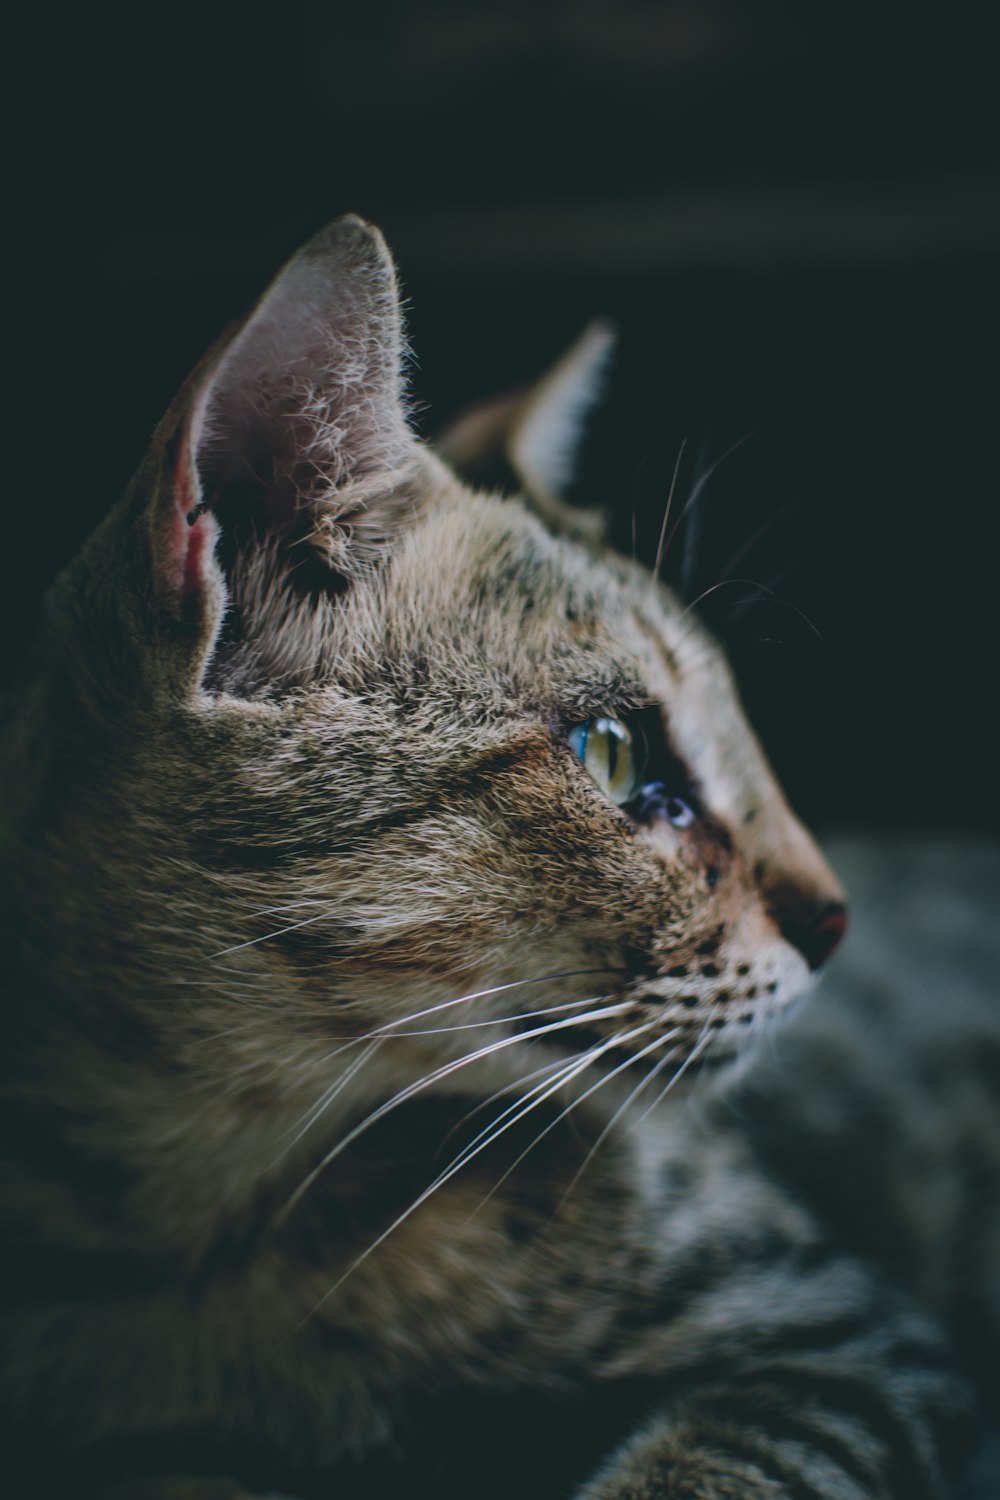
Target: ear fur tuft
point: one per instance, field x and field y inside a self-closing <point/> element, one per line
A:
<point x="304" y="405"/>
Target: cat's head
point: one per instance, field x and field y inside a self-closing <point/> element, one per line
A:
<point x="324" y="745"/>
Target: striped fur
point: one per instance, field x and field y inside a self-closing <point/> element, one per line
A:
<point x="349" y="1029"/>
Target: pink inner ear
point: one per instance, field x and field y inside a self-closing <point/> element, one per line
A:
<point x="191" y="532"/>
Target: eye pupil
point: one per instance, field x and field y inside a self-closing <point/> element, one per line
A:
<point x="612" y="743"/>
<point x="606" y="749"/>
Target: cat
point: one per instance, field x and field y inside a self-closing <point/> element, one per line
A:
<point x="384" y="859"/>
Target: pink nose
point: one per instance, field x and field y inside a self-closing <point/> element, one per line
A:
<point x="813" y="926"/>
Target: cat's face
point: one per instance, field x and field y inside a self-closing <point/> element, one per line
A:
<point x="433" y="777"/>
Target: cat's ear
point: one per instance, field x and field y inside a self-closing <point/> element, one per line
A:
<point x="286" y="465"/>
<point x="538" y="432"/>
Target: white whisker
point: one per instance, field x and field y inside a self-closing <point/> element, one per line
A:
<point x="326" y="1099"/>
<point x="267" y="936"/>
<point x="497" y="989"/>
<point x="772" y="598"/>
<point x="604" y="1078"/>
<point x="522" y="1099"/>
<point x="501" y="1093"/>
<point x="660" y="546"/>
<point x="524" y="1015"/>
<point x="435" y="1077"/>
<point x="337" y="1088"/>
<point x="757" y="536"/>
<point x="571" y="1069"/>
<point x="387" y="1032"/>
<point x="699" y="486"/>
<point x="622" y="1108"/>
<point x="696" y="1051"/>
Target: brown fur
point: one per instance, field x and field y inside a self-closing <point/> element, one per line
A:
<point x="289" y="769"/>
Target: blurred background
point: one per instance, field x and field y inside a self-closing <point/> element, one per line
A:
<point x="791" y="211"/>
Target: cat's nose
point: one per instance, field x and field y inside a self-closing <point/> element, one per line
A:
<point x="811" y="924"/>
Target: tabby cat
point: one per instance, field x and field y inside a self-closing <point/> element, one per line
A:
<point x="383" y="862"/>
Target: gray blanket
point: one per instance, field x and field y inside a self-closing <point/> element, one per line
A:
<point x="925" y="926"/>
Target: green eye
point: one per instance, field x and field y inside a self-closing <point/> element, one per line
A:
<point x="606" y="748"/>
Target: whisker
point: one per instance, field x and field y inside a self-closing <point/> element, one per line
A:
<point x="387" y="1031"/>
<point x="337" y="1088"/>
<point x="696" y="1050"/>
<point x="326" y="1099"/>
<point x="647" y="1078"/>
<point x="755" y="537"/>
<point x="388" y="1028"/>
<point x="464" y="1157"/>
<point x="660" y="546"/>
<point x="524" y="1015"/>
<point x="752" y="583"/>
<point x="600" y="1083"/>
<point x="497" y="989"/>
<point x="699" y="486"/>
<point x="725" y="583"/>
<point x="435" y="1077"/>
<point x="216" y="1036"/>
<point x="492" y="1134"/>
<point x="516" y="1104"/>
<point x="543" y="1091"/>
<point x="267" y="936"/>
<point x="501" y="1093"/>
<point x="269" y="911"/>
<point x="772" y="581"/>
<point x="692" y="530"/>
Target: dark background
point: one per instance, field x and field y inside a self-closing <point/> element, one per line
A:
<point x="791" y="210"/>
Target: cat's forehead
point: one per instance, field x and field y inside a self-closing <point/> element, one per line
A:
<point x="483" y="579"/>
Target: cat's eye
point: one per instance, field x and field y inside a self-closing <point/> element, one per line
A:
<point x="619" y="758"/>
<point x="607" y="749"/>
